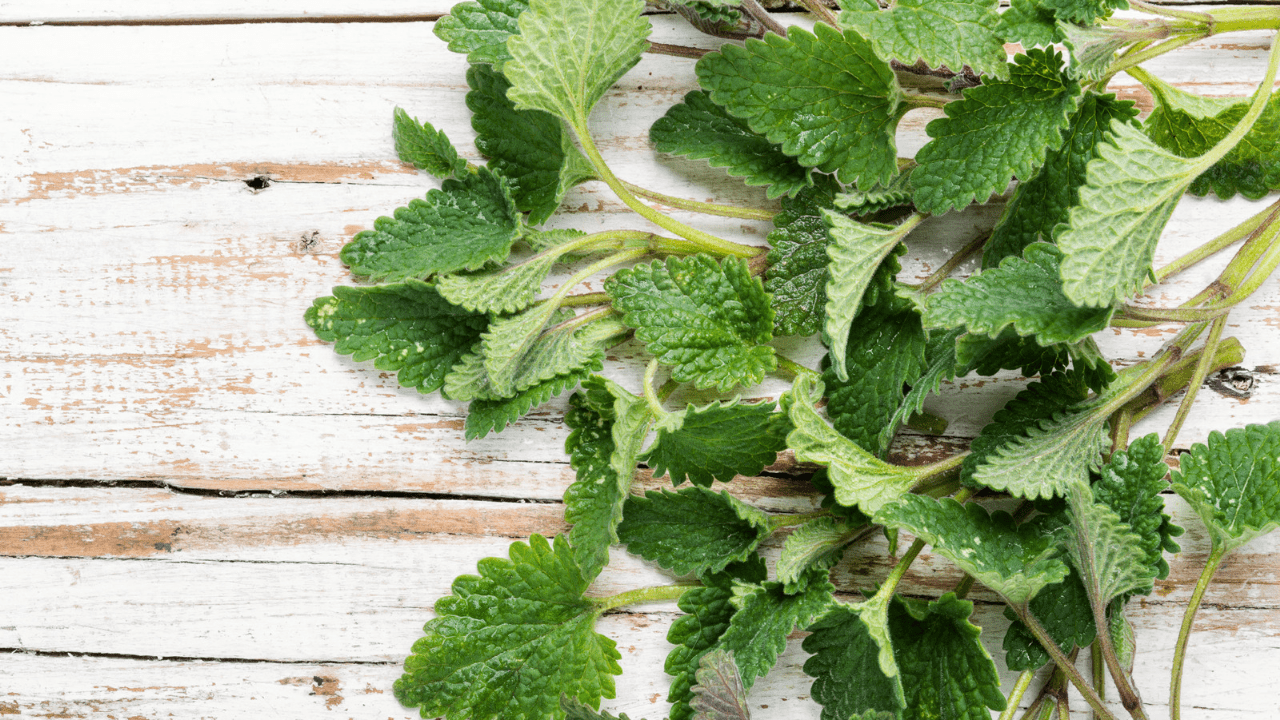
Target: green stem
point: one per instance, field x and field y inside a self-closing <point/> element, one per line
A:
<point x="653" y="593"/>
<point x="667" y="388"/>
<point x="895" y="576"/>
<point x="1242" y="128"/>
<point x="1234" y="19"/>
<point x="1188" y="619"/>
<point x="790" y="369"/>
<point x="789" y="520"/>
<point x="1015" y="695"/>
<point x="964" y="253"/>
<point x="925" y="98"/>
<point x="822" y="12"/>
<point x="1197" y="379"/>
<point x="598" y="298"/>
<point x="757" y="11"/>
<point x="1129" y="695"/>
<point x="650" y="397"/>
<point x="1216" y="245"/>
<point x="1179" y="314"/>
<point x="941" y="469"/>
<point x="1203" y="18"/>
<point x="1099" y="669"/>
<point x="1155" y="51"/>
<point x="699" y="207"/>
<point x="1178" y="376"/>
<point x="1065" y="665"/>
<point x="964" y="586"/>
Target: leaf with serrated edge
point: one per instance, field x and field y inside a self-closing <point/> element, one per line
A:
<point x="522" y="361"/>
<point x="480" y="29"/>
<point x="1234" y="483"/>
<point x="1015" y="561"/>
<point x="1051" y="457"/>
<point x="896" y="193"/>
<point x="693" y="530"/>
<point x="766" y="615"/>
<point x="852" y="662"/>
<point x="718" y="442"/>
<point x="1024" y="293"/>
<point x="701" y="130"/>
<point x="508" y="290"/>
<point x="856" y="251"/>
<point x="485" y="416"/>
<point x="797" y="274"/>
<point x="1105" y="551"/>
<point x="825" y="97"/>
<point x="424" y="147"/>
<point x="569" y="52"/>
<point x="1064" y="612"/>
<point x="508" y="642"/>
<point x="940" y="356"/>
<point x="575" y="710"/>
<point x="405" y="327"/>
<point x="859" y="477"/>
<point x="950" y="33"/>
<point x="707" y="320"/>
<point x="469" y="222"/>
<point x="944" y="669"/>
<point x="1027" y="23"/>
<point x="818" y="543"/>
<point x="719" y="694"/>
<point x="1131" y="483"/>
<point x="1083" y="11"/>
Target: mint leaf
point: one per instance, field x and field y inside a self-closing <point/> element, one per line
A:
<point x="708" y="321"/>
<point x="758" y="632"/>
<point x="718" y="442"/>
<point x="797" y="275"/>
<point x="1110" y="240"/>
<point x="692" y="531"/>
<point x="568" y="53"/>
<point x="1063" y="610"/>
<point x="701" y="130"/>
<point x="1014" y="560"/>
<point x="1042" y="203"/>
<point x="818" y="543"/>
<point x="1001" y="129"/>
<point x="1027" y="23"/>
<point x="945" y="671"/>
<point x="486" y="416"/>
<point x="825" y="98"/>
<point x="1052" y="456"/>
<point x="1093" y="47"/>
<point x="424" y="147"/>
<point x="852" y="663"/>
<point x="1234" y="483"/>
<point x="575" y="710"/>
<point x="406" y="327"/>
<point x="469" y="222"/>
<point x="896" y="193"/>
<point x="940" y="359"/>
<point x="1083" y="11"/>
<point x="1007" y="351"/>
<point x="856" y="251"/>
<point x="480" y="29"/>
<point x="509" y="641"/>
<point x="859" y="478"/>
<point x="520" y="351"/>
<point x="950" y="33"/>
<point x="885" y="352"/>
<point x="1109" y="556"/>
<point x="529" y="147"/>
<point x="1024" y="293"/>
<point x="719" y="694"/>
<point x="1130" y="485"/>
<point x="508" y="290"/>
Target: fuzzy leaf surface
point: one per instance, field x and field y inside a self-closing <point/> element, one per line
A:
<point x="480" y="29"/>
<point x="1016" y="561"/>
<point x="575" y="710"/>
<point x="1063" y="610"/>
<point x="896" y="193"/>
<point x="521" y="351"/>
<point x="406" y="327"/>
<point x="1234" y="483"/>
<point x="1130" y="485"/>
<point x="486" y="416"/>
<point x="469" y="222"/>
<point x="424" y="147"/>
<point x="508" y="290"/>
<point x="1001" y="129"/>
<point x="719" y="694"/>
<point x="825" y="98"/>
<point x="940" y="365"/>
<point x="1109" y="556"/>
<point x="693" y="530"/>
<point x="951" y="33"/>
<point x="707" y="320"/>
<point x="701" y="130"/>
<point x="818" y="543"/>
<point x="853" y="664"/>
<point x="944" y="669"/>
<point x="507" y="642"/>
<point x="570" y="52"/>
<point x="718" y="442"/>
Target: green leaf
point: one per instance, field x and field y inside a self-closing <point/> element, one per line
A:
<point x="1189" y="125"/>
<point x="940" y="359"/>
<point x="692" y="531"/>
<point x="1083" y="11"/>
<point x="1027" y="23"/>
<point x="1064" y="612"/>
<point x="1093" y="47"/>
<point x="826" y="98"/>
<point x="758" y="632"/>
<point x="486" y="416"/>
<point x="543" y="240"/>
<point x="406" y="327"/>
<point x="856" y="251"/>
<point x="718" y="442"/>
<point x="1110" y="239"/>
<point x="859" y="478"/>
<point x="509" y="641"/>
<point x="469" y="222"/>
<point x="1052" y="456"/>
<point x="950" y="33"/>
<point x="701" y="130"/>
<point x="818" y="543"/>
<point x="1001" y="129"/>
<point x="424" y="147"/>
<point x="988" y="356"/>
<point x="575" y="710"/>
<point x="1024" y="293"/>
<point x="708" y="321"/>
<point x="1042" y="203"/>
<point x="1014" y="560"/>
<point x="481" y="28"/>
<point x="896" y="193"/>
<point x="945" y="671"/>
<point x="884" y="352"/>
<point x="797" y="274"/>
<point x="1130" y="485"/>
<point x="852" y="663"/>
<point x="529" y="147"/>
<point x="608" y="425"/>
<point x="1234" y="483"/>
<point x="508" y="290"/>
<point x="1109" y="556"/>
<point x="719" y="694"/>
<point x="569" y="52"/>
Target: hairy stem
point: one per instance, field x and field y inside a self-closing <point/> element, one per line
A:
<point x="821" y="11"/>
<point x="1188" y="619"/>
<point x="930" y="474"/>
<point x="699" y="207"/>
<point x="1065" y="665"/>
<point x="1099" y="668"/>
<point x="1015" y="695"/>
<point x="791" y="520"/>
<point x="790" y="369"/>
<point x="651" y="397"/>
<point x="757" y="11"/>
<point x="683" y="51"/>
<point x="970" y="249"/>
<point x="1129" y="695"/>
<point x="655" y="593"/>
<point x="1260" y="97"/>
<point x="1216" y="245"/>
<point x="1155" y="51"/>
<point x="1203" y="367"/>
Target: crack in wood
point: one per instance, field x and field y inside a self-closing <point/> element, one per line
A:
<point x="184" y="658"/>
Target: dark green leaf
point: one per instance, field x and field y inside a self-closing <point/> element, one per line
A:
<point x="424" y="147"/>
<point x="718" y="442"/>
<point x="797" y="274"/>
<point x="852" y="663"/>
<point x="818" y="543"/>
<point x="945" y="670"/>
<point x="1083" y="11"/>
<point x="486" y="416"/>
<point x="1130" y="485"/>
<point x="1234" y="483"/>
<point x="950" y="33"/>
<point x="1064" y="612"/>
<point x="758" y="632"/>
<point x="693" y="531"/>
<point x="1027" y="23"/>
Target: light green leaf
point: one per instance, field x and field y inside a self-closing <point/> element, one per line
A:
<point x="718" y="442"/>
<point x="826" y="98"/>
<point x="692" y="531"/>
<point x="1110" y="239"/>
<point x="950" y="33"/>
<point x="1014" y="560"/>
<point x="506" y="291"/>
<point x="853" y="663"/>
<point x="1051" y="457"/>
<point x="543" y="240"/>
<point x="1130" y="485"/>
<point x="486" y="416"/>
<point x="481" y="28"/>
<point x="719" y="694"/>
<point x="1109" y="556"/>
<point x="1001" y="129"/>
<point x="469" y="222"/>
<point x="859" y="478"/>
<point x="856" y="251"/>
<point x="988" y="356"/>
<point x="529" y="147"/>
<point x="406" y="327"/>
<point x="509" y="641"/>
<point x="896" y="193"/>
<point x="1024" y="293"/>
<point x="1234" y="483"/>
<point x="708" y="321"/>
<point x="1063" y="610"/>
<point x="1093" y="47"/>
<point x="818" y="543"/>
<point x="424" y="147"/>
<point x="1027" y="23"/>
<point x="1083" y="11"/>
<point x="944" y="669"/>
<point x="701" y="130"/>
<point x="569" y="52"/>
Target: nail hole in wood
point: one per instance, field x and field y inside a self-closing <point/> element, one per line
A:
<point x="258" y="183"/>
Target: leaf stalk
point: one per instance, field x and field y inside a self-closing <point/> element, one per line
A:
<point x="1184" y="635"/>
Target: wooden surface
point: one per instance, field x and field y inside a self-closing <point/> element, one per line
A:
<point x="206" y="513"/>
